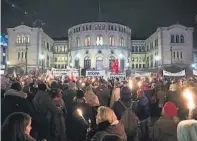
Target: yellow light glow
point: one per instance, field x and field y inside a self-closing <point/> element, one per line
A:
<point x="80" y="112"/>
<point x="139" y="84"/>
<point x="130" y="84"/>
<point x="190" y="100"/>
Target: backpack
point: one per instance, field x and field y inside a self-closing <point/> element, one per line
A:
<point x="129" y="120"/>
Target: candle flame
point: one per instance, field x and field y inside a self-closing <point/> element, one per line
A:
<point x="190" y="100"/>
<point x="80" y="112"/>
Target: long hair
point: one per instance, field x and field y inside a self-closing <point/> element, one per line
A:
<point x="13" y="128"/>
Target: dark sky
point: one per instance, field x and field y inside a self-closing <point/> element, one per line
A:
<point x="142" y="16"/>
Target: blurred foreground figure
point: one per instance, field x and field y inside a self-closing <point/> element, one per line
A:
<point x="17" y="127"/>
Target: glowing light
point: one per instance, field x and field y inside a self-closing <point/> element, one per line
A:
<point x="83" y="84"/>
<point x="80" y="112"/>
<point x="130" y="84"/>
<point x="157" y="58"/>
<point x="139" y="84"/>
<point x="41" y="56"/>
<point x="190" y="100"/>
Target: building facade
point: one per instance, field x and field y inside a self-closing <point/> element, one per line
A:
<point x="29" y="44"/>
<point x="96" y="45"/>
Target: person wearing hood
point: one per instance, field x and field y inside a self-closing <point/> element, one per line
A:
<point x="187" y="130"/>
<point x="165" y="129"/>
<point x="15" y="101"/>
<point x="91" y="99"/>
<point x="108" y="125"/>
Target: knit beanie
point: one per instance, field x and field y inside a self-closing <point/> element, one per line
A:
<point x="170" y="109"/>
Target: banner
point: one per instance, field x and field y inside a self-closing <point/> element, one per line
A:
<point x="194" y="72"/>
<point x="120" y="75"/>
<point x="95" y="73"/>
<point x="181" y="73"/>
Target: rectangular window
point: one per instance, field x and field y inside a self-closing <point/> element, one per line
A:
<point x="136" y="66"/>
<point x="178" y="55"/>
<point x="55" y="66"/>
<point x="181" y="55"/>
<point x="174" y="55"/>
<point x="143" y="65"/>
<point x="133" y="66"/>
<point x="140" y="65"/>
<point x="59" y="66"/>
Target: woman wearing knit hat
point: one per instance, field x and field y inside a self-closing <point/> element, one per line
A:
<point x="165" y="129"/>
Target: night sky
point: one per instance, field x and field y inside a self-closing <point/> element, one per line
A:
<point x="142" y="16"/>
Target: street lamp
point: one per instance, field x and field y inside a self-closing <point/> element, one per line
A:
<point x="26" y="49"/>
<point x="42" y="59"/>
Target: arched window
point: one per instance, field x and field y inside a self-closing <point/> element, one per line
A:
<point x="18" y="40"/>
<point x="99" y="63"/>
<point x="27" y="39"/>
<point x="140" y="50"/>
<point x="111" y="60"/>
<point x="87" y="41"/>
<point x="87" y="62"/>
<point x="77" y="41"/>
<point x="172" y="38"/>
<point x="122" y="42"/>
<point x="18" y="55"/>
<point x="99" y="40"/>
<point x="177" y="38"/>
<point x="133" y="49"/>
<point x="76" y="63"/>
<point x="22" y="38"/>
<point x="136" y="49"/>
<point x="182" y="39"/>
<point x="111" y="41"/>
<point x="22" y="55"/>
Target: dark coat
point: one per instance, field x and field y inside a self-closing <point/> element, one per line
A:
<point x="165" y="129"/>
<point x="58" y="121"/>
<point x="68" y="96"/>
<point x="103" y="94"/>
<point x="105" y="128"/>
<point x="12" y="104"/>
<point x="119" y="108"/>
<point x="45" y="110"/>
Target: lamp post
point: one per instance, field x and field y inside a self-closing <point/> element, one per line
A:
<point x="26" y="49"/>
<point x="42" y="59"/>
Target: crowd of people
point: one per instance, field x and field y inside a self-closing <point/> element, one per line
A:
<point x="95" y="109"/>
